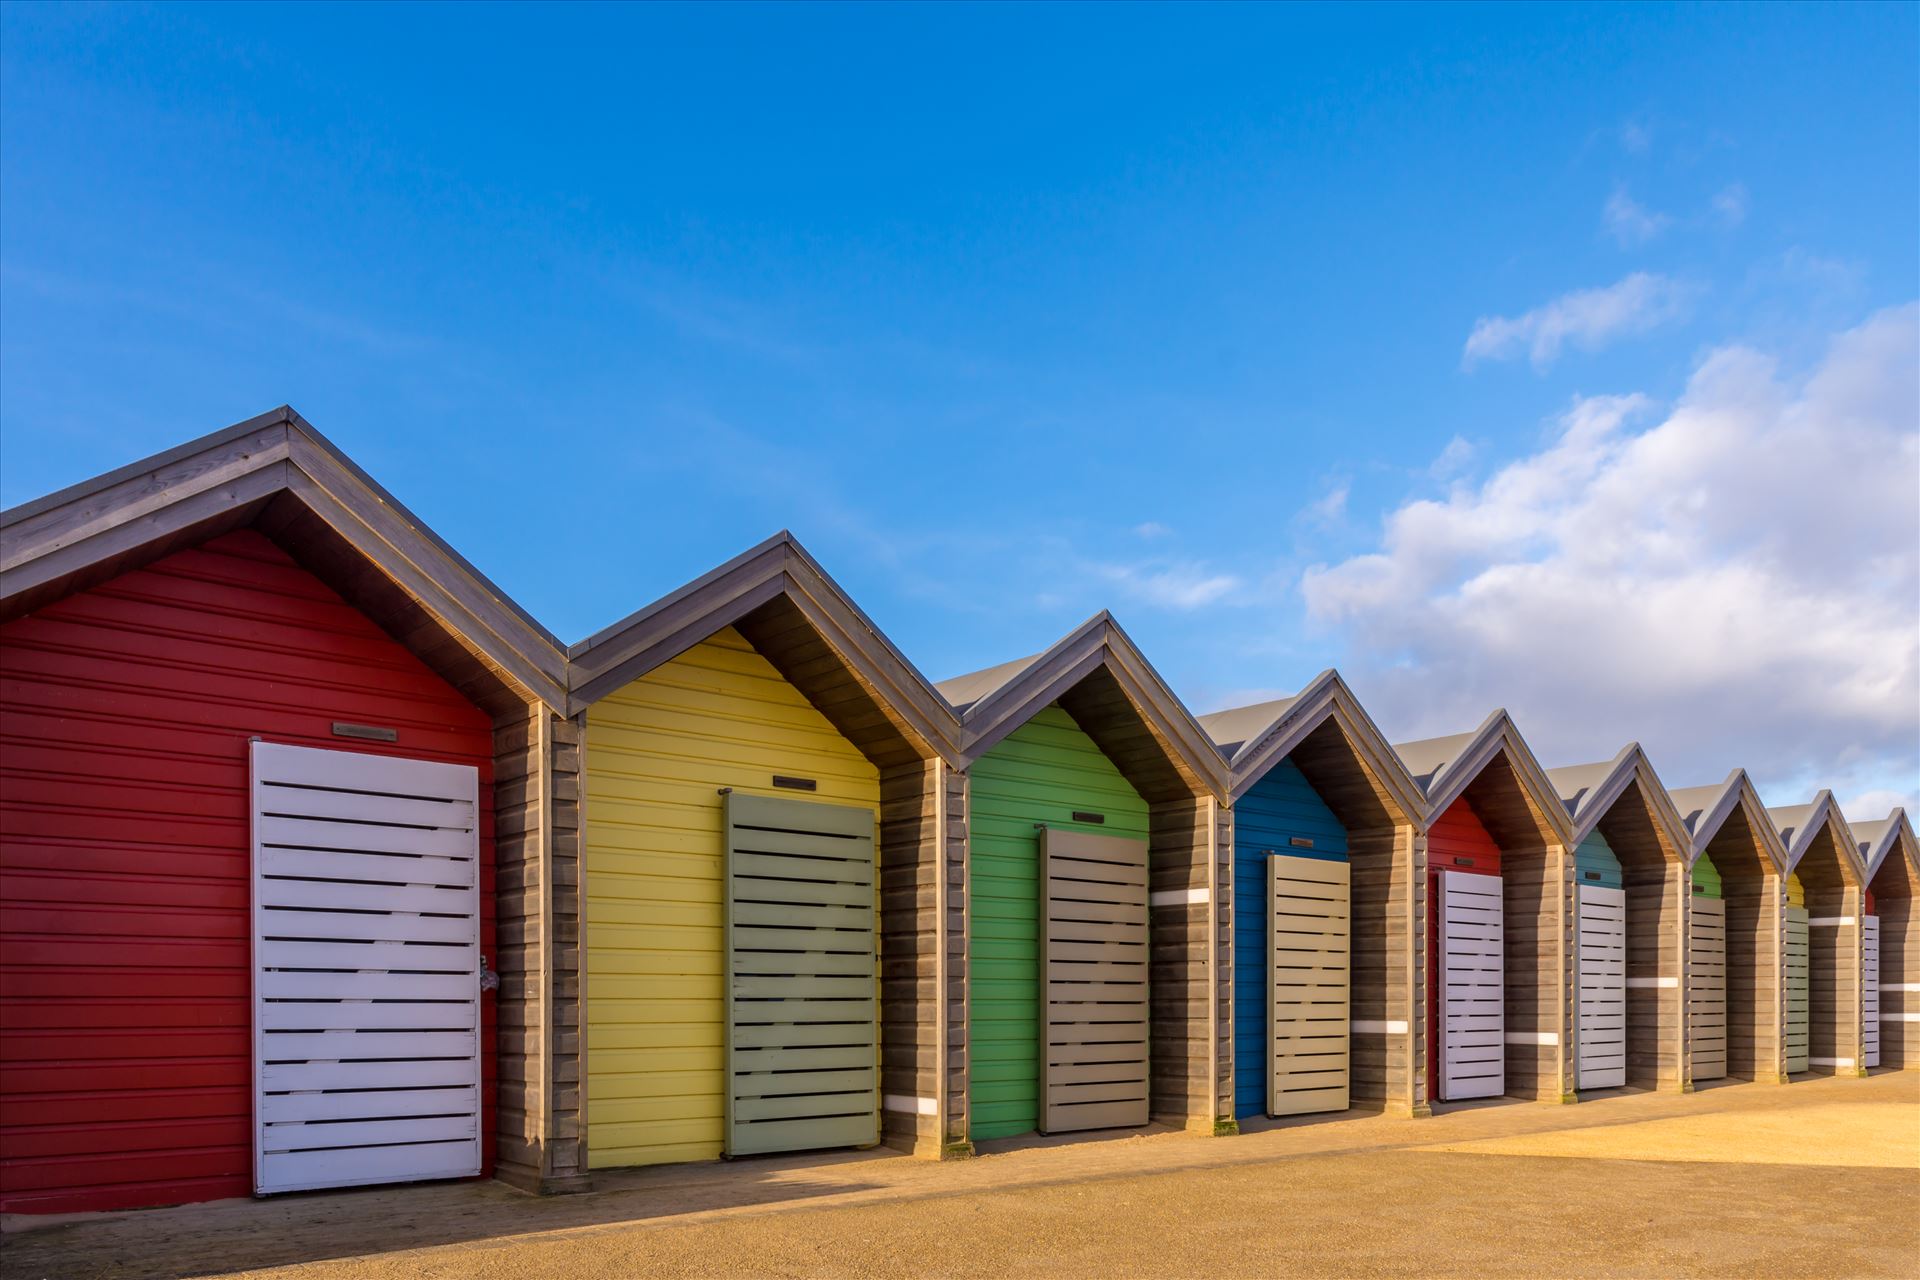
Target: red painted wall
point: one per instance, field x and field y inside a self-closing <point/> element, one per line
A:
<point x="1455" y="842"/>
<point x="125" y="713"/>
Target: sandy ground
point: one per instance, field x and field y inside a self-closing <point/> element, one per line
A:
<point x="1818" y="1178"/>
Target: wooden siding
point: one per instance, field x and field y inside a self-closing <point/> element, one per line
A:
<point x="657" y="754"/>
<point x="125" y="717"/>
<point x="1755" y="894"/>
<point x="1274" y="813"/>
<point x="1652" y="854"/>
<point x="1834" y="905"/>
<point x="1191" y="857"/>
<point x="1041" y="773"/>
<point x="1899" y="982"/>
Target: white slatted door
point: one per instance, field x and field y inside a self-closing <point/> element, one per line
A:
<point x="1308" y="966"/>
<point x="366" y="969"/>
<point x="1707" y="988"/>
<point x="1603" y="988"/>
<point x="1799" y="990"/>
<point x="1472" y="995"/>
<point x="1093" y="958"/>
<point x="1870" y="989"/>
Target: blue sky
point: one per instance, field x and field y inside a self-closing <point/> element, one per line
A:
<point x="1298" y="337"/>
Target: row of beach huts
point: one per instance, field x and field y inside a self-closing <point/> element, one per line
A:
<point x="324" y="864"/>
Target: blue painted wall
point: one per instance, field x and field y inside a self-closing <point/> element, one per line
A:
<point x="1279" y="807"/>
<point x="1595" y="855"/>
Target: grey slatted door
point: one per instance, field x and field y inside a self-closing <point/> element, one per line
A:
<point x="1308" y="969"/>
<point x="1093" y="962"/>
<point x="1473" y="1045"/>
<point x="1602" y="1042"/>
<point x="1870" y="989"/>
<point x="1799" y="989"/>
<point x="366" y="969"/>
<point x="1707" y="988"/>
<point x="802" y="979"/>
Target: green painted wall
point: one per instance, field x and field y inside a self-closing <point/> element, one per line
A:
<point x="1040" y="774"/>
<point x="1706" y="878"/>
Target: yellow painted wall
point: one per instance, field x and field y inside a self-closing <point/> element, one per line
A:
<point x="657" y="754"/>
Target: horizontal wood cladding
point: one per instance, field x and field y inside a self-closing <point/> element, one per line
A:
<point x="1137" y="746"/>
<point x="657" y="754"/>
<point x="1192" y="997"/>
<point x="1899" y="982"/>
<point x="1653" y="868"/>
<point x="126" y="713"/>
<point x="922" y="835"/>
<point x="1387" y="1065"/>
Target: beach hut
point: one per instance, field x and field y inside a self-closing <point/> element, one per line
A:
<point x="1890" y="969"/>
<point x="1828" y="878"/>
<point x="1498" y="919"/>
<point x="1099" y="846"/>
<point x="1631" y="899"/>
<point x="1324" y="940"/>
<point x="272" y="837"/>
<point x="1734" y="991"/>
<point x="770" y="824"/>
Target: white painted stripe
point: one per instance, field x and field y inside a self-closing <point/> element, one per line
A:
<point x="1830" y="1062"/>
<point x="1370" y="1027"/>
<point x="1900" y="1017"/>
<point x="1829" y="921"/>
<point x="1900" y="986"/>
<point x="912" y="1106"/>
<point x="1179" y="897"/>
<point x="1533" y="1037"/>
<point x="1653" y="982"/>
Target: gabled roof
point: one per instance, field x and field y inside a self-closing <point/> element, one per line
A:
<point x="1591" y="790"/>
<point x="800" y="619"/>
<point x="1800" y="826"/>
<point x="1101" y="678"/>
<point x="1704" y="810"/>
<point x="1255" y="738"/>
<point x="1877" y="839"/>
<point x="277" y="473"/>
<point x="1443" y="769"/>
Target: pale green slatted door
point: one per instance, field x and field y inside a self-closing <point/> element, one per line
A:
<point x="1799" y="989"/>
<point x="1093" y="1059"/>
<point x="1707" y="988"/>
<point x="802" y="982"/>
<point x="1308" y="968"/>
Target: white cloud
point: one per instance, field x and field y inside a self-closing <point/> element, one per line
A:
<point x="1179" y="585"/>
<point x="1453" y="460"/>
<point x="1630" y="222"/>
<point x="1330" y="506"/>
<point x="1730" y="204"/>
<point x="1585" y="318"/>
<point x="1733" y="581"/>
<point x="1636" y="137"/>
<point x="1151" y="529"/>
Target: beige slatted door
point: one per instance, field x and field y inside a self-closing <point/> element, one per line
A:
<point x="1473" y="1046"/>
<point x="1799" y="990"/>
<point x="1602" y="1043"/>
<point x="1870" y="989"/>
<point x="366" y="969"/>
<point x="1093" y="960"/>
<point x="803" y="1003"/>
<point x="1707" y="988"/>
<point x="1309" y="980"/>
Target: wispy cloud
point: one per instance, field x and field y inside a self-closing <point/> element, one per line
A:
<point x="1630" y="222"/>
<point x="1585" y="318"/>
<point x="1730" y="204"/>
<point x="1151" y="529"/>
<point x="1177" y="585"/>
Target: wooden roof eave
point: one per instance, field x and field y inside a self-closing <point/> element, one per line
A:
<point x="1742" y="795"/>
<point x="1095" y="644"/>
<point x="615" y="656"/>
<point x="1826" y="813"/>
<point x="1497" y="734"/>
<point x="1327" y="697"/>
<point x="224" y="480"/>
<point x="1630" y="766"/>
<point x="1898" y="835"/>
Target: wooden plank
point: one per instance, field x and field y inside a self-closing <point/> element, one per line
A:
<point x="1309" y="984"/>
<point x="1098" y="993"/>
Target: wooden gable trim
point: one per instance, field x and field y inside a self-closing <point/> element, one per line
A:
<point x="613" y="658"/>
<point x="1495" y="736"/>
<point x="1741" y="794"/>
<point x="71" y="539"/>
<point x="1826" y="813"/>
<point x="1328" y="698"/>
<point x="1099" y="642"/>
<point x="1633" y="766"/>
<point x="1900" y="835"/>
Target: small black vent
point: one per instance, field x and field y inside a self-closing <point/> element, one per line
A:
<point x="371" y="732"/>
<point x="1080" y="815"/>
<point x="1591" y="875"/>
<point x="1300" y="842"/>
<point x="795" y="784"/>
<point x="1463" y="862"/>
